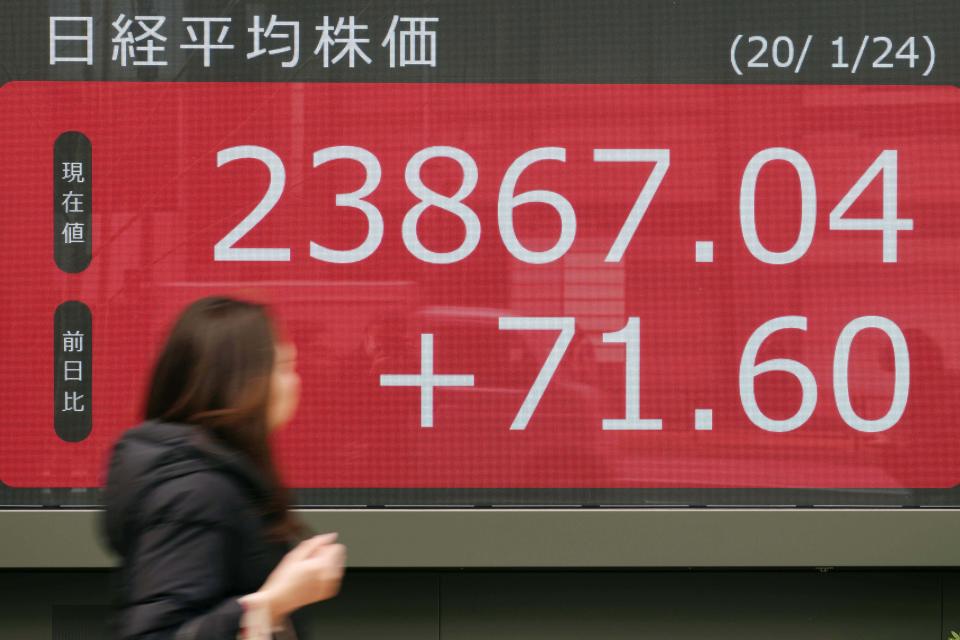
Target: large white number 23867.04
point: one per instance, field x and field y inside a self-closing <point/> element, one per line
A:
<point x="885" y="167"/>
<point x="507" y="201"/>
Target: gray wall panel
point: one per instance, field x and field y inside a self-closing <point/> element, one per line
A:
<point x="573" y="538"/>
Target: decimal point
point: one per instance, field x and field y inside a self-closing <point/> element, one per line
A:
<point x="704" y="251"/>
<point x="703" y="419"/>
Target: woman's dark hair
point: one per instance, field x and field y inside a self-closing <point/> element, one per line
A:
<point x="214" y="372"/>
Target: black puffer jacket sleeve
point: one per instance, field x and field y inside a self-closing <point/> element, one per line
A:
<point x="178" y="571"/>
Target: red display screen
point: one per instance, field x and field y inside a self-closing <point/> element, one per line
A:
<point x="507" y="286"/>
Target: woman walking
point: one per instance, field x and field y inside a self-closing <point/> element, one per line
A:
<point x="193" y="503"/>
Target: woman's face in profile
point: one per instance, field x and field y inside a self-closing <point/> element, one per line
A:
<point x="284" y="386"/>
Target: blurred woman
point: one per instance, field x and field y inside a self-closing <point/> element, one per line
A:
<point x="193" y="503"/>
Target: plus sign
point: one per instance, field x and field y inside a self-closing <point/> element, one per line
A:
<point x="427" y="380"/>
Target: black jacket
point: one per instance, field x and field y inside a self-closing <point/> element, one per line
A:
<point x="180" y="510"/>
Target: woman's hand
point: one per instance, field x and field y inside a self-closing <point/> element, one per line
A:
<point x="309" y="573"/>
